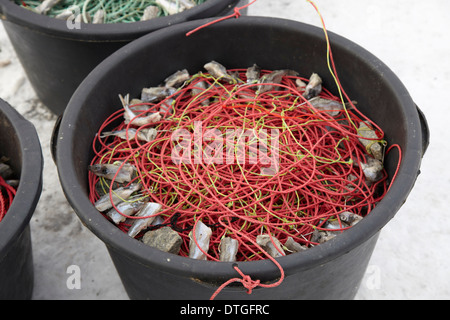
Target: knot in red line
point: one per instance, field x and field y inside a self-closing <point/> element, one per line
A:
<point x="249" y="283"/>
<point x="246" y="281"/>
<point x="237" y="12"/>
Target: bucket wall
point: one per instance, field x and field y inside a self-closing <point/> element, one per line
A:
<point x="239" y="43"/>
<point x="19" y="142"/>
<point x="56" y="59"/>
<point x="336" y="280"/>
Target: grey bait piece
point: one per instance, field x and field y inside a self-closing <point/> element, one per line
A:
<point x="314" y="87"/>
<point x="128" y="208"/>
<point x="369" y="139"/>
<point x="136" y="119"/>
<point x="147" y="135"/>
<point x="118" y="195"/>
<point x="265" y="241"/>
<point x="125" y="172"/>
<point x="219" y="71"/>
<point x="273" y="78"/>
<point x="177" y="79"/>
<point x="253" y="74"/>
<point x="228" y="249"/>
<point x="45" y="6"/>
<point x="202" y="236"/>
<point x="150" y="12"/>
<point x="150" y="209"/>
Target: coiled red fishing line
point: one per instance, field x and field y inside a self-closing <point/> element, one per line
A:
<point x="317" y="174"/>
<point x="7" y="194"/>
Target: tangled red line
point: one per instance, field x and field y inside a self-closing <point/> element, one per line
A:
<point x="312" y="185"/>
<point x="7" y="194"/>
<point x="317" y="157"/>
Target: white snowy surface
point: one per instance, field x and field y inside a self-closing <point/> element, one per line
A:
<point x="411" y="259"/>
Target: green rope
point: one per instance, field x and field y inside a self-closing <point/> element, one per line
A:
<point x="116" y="11"/>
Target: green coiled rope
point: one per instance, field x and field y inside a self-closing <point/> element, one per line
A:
<point x="116" y="11"/>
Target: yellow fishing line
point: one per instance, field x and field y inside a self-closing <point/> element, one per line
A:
<point x="329" y="60"/>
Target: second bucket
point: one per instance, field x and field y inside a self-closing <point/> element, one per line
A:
<point x="56" y="59"/>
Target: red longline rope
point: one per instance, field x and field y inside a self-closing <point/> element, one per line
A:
<point x="322" y="197"/>
<point x="320" y="202"/>
<point x="7" y="194"/>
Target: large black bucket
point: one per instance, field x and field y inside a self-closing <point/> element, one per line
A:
<point x="19" y="142"/>
<point x="332" y="270"/>
<point x="56" y="59"/>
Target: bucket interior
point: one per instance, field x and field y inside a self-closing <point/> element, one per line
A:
<point x="239" y="43"/>
<point x="10" y="145"/>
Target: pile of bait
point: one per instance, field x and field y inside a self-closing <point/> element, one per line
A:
<point x="237" y="164"/>
<point x="8" y="187"/>
<point x="108" y="11"/>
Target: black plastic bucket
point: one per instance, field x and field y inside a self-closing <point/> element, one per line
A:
<point x="20" y="143"/>
<point x="332" y="270"/>
<point x="56" y="59"/>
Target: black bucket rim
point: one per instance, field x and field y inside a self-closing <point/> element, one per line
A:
<point x="9" y="11"/>
<point x="30" y="187"/>
<point x="369" y="227"/>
